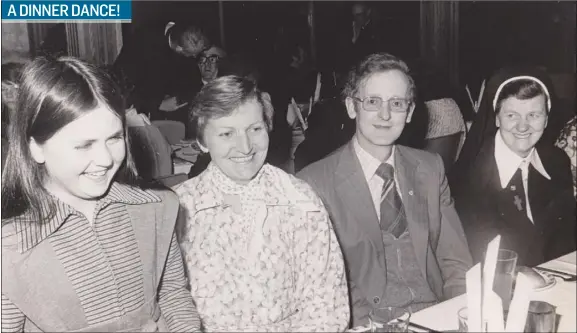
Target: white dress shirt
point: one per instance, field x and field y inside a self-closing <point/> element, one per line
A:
<point x="508" y="162"/>
<point x="370" y="164"/>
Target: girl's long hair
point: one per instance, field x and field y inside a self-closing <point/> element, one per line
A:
<point x="53" y="93"/>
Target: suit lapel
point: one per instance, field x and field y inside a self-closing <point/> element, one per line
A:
<point x="413" y="190"/>
<point x="351" y="187"/>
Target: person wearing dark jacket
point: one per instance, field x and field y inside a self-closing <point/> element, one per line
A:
<point x="508" y="181"/>
<point x="159" y="61"/>
<point x="390" y="204"/>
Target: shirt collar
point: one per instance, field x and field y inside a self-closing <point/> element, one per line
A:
<point x="369" y="163"/>
<point x="126" y="194"/>
<point x="508" y="162"/>
<point x="31" y="232"/>
<point x="229" y="186"/>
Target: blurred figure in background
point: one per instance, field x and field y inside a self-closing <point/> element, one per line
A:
<point x="55" y="43"/>
<point x="150" y="150"/>
<point x="297" y="79"/>
<point x="568" y="142"/>
<point x="329" y="119"/>
<point x="159" y="61"/>
<point x="358" y="39"/>
<point x="10" y="85"/>
<point x="11" y="73"/>
<point x="208" y="63"/>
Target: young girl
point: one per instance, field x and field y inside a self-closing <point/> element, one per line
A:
<point x="85" y="246"/>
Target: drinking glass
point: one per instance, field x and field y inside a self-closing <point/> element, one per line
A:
<point x="463" y="316"/>
<point x="541" y="317"/>
<point x="504" y="276"/>
<point x="382" y="319"/>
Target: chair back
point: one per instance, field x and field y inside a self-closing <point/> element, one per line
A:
<point x="173" y="130"/>
<point x="173" y="180"/>
<point x="151" y="152"/>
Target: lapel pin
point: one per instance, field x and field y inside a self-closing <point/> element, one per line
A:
<point x="518" y="202"/>
<point x="513" y="188"/>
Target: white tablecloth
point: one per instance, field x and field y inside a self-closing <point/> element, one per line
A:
<point x="185" y="157"/>
<point x="182" y="167"/>
<point x="443" y="316"/>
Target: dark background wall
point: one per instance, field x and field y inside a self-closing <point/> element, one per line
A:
<point x="254" y="25"/>
<point x="492" y="34"/>
<point x="495" y="34"/>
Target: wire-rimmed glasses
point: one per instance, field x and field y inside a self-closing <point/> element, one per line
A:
<point x="375" y="103"/>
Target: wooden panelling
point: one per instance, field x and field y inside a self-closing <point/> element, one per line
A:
<point x="439" y="38"/>
<point x="98" y="43"/>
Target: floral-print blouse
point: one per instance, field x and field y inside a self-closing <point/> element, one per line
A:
<point x="568" y="142"/>
<point x="261" y="256"/>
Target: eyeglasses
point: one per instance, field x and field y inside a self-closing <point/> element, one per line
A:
<point x="375" y="103"/>
<point x="213" y="59"/>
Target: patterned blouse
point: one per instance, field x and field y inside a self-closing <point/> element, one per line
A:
<point x="261" y="256"/>
<point x="568" y="142"/>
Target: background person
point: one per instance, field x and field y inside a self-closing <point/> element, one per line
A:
<point x="568" y="142"/>
<point x="11" y="73"/>
<point x="208" y="63"/>
<point x="160" y="61"/>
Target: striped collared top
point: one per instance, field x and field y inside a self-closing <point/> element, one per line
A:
<point x="102" y="261"/>
<point x="30" y="233"/>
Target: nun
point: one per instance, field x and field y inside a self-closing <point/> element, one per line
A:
<point x="508" y="181"/>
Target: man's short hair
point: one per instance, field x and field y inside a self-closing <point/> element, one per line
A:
<point x="215" y="50"/>
<point x="371" y="64"/>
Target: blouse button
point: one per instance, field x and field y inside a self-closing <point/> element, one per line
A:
<point x="376" y="299"/>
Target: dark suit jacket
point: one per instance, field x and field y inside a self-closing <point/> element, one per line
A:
<point x="156" y="70"/>
<point x="435" y="229"/>
<point x="552" y="205"/>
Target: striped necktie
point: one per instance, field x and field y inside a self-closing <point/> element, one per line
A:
<point x="393" y="217"/>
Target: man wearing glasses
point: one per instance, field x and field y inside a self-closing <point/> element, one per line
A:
<point x="403" y="242"/>
<point x="160" y="61"/>
<point x="208" y="63"/>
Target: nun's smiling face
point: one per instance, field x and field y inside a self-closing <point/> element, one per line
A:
<point x="522" y="122"/>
